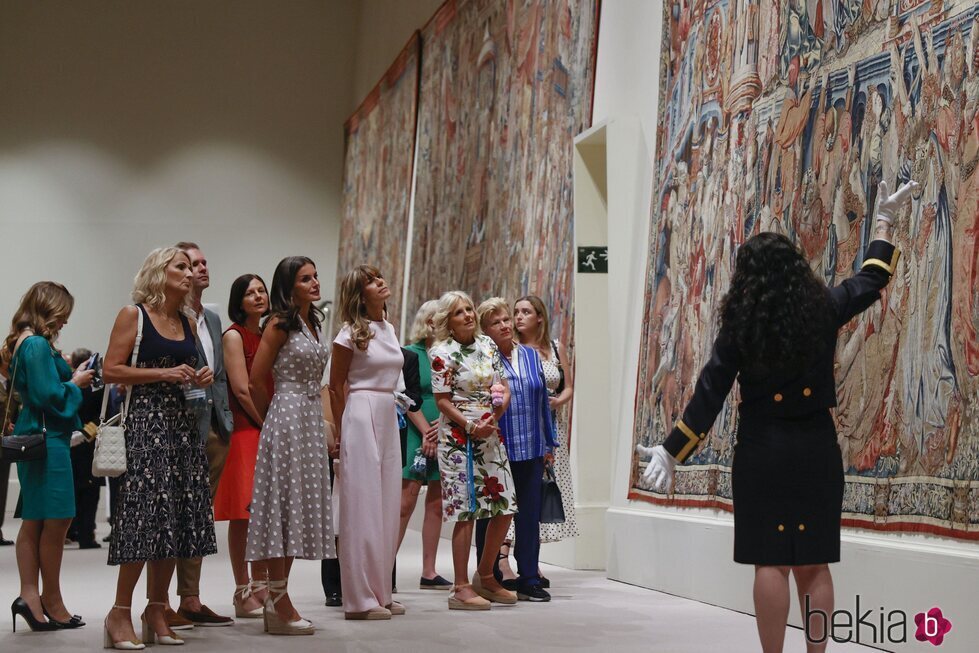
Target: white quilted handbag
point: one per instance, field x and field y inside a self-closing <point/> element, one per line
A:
<point x="110" y="442"/>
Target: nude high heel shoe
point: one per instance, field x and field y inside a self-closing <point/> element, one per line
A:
<point x="123" y="645"/>
<point x="276" y="625"/>
<point x="150" y="636"/>
<point x="242" y="592"/>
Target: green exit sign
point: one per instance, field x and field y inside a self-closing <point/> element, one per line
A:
<point x="593" y="260"/>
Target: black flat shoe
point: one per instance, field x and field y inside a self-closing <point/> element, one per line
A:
<point x="534" y="593"/>
<point x="20" y="607"/>
<point x="89" y="545"/>
<point x="509" y="584"/>
<point x="437" y="583"/>
<point x="545" y="583"/>
<point x="334" y="600"/>
<point x="74" y="622"/>
<point x="4" y="541"/>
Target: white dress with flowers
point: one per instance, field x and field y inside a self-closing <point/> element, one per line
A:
<point x="476" y="479"/>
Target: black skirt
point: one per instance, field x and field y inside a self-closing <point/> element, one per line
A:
<point x="787" y="479"/>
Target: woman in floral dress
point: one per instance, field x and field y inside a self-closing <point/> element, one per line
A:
<point x="476" y="479"/>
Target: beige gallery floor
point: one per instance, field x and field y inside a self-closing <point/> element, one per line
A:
<point x="588" y="613"/>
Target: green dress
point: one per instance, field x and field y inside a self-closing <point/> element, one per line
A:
<point x="43" y="380"/>
<point x="429" y="410"/>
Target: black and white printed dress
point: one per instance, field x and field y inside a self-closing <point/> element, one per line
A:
<point x="164" y="505"/>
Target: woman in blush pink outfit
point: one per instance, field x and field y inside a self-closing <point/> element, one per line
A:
<point x="364" y="373"/>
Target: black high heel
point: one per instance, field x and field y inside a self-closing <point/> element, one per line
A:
<point x="20" y="607"/>
<point x="74" y="622"/>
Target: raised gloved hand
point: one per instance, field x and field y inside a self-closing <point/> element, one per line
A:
<point x="659" y="471"/>
<point x="888" y="206"/>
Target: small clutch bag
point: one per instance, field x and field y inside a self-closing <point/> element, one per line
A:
<point x="21" y="448"/>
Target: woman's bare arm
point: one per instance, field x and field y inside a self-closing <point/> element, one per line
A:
<point x="234" y="362"/>
<point x="268" y="350"/>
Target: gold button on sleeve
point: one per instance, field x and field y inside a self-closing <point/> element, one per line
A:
<point x="778" y="396"/>
<point x="781" y="527"/>
<point x="806" y="392"/>
<point x="802" y="527"/>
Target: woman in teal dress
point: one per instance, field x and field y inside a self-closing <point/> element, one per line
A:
<point x="51" y="394"/>
<point x="423" y="434"/>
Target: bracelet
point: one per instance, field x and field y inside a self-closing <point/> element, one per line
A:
<point x="470" y="427"/>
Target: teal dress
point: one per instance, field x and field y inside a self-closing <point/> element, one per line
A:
<point x="43" y="379"/>
<point x="429" y="410"/>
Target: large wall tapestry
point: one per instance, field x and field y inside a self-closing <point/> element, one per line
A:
<point x="506" y="85"/>
<point x="379" y="153"/>
<point x="783" y="115"/>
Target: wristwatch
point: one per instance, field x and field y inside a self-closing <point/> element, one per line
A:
<point x="470" y="427"/>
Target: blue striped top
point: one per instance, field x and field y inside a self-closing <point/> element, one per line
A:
<point x="526" y="426"/>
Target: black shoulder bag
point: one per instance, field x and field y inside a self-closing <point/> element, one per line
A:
<point x="560" y="367"/>
<point x="21" y="448"/>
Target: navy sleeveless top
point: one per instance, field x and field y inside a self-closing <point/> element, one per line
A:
<point x="160" y="352"/>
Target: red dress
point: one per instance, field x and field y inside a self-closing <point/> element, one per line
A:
<point x="234" y="494"/>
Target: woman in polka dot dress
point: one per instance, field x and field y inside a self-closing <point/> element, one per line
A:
<point x="291" y="500"/>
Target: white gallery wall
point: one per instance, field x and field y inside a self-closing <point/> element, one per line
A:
<point x="126" y="126"/>
<point x="689" y="552"/>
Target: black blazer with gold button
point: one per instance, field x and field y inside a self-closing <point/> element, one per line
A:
<point x="793" y="394"/>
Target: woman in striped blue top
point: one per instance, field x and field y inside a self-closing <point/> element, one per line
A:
<point x="528" y="432"/>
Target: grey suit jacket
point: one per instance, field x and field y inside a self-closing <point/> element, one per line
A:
<point x="217" y="393"/>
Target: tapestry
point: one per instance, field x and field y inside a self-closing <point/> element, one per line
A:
<point x="506" y="85"/>
<point x="379" y="151"/>
<point x="783" y="115"/>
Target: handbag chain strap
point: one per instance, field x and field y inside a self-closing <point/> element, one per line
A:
<point x="132" y="363"/>
<point x="10" y="395"/>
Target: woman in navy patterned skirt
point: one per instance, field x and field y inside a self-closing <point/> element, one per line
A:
<point x="163" y="510"/>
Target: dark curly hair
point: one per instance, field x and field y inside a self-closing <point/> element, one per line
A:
<point x="778" y="311"/>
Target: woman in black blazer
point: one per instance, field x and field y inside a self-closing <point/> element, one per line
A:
<point x="778" y="332"/>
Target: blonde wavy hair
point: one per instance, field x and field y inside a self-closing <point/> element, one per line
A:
<point x="149" y="287"/>
<point x="446" y="306"/>
<point x="352" y="307"/>
<point x="43" y="309"/>
<point x="419" y="328"/>
<point x="491" y="307"/>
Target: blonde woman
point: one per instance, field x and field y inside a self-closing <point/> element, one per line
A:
<point x="476" y="478"/>
<point x="163" y="511"/>
<point x="367" y="362"/>
<point x="534" y="330"/>
<point x="423" y="434"/>
<point x="51" y="395"/>
<point x="528" y="429"/>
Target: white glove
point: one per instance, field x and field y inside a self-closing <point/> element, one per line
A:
<point x="888" y="206"/>
<point x="77" y="437"/>
<point x="659" y="471"/>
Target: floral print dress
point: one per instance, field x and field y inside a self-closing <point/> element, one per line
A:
<point x="476" y="479"/>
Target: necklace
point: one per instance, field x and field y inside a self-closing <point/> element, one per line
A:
<point x="172" y="324"/>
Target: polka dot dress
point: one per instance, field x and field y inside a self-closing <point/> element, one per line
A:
<point x="291" y="500"/>
<point x="562" y="463"/>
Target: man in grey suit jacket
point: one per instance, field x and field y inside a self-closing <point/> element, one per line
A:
<point x="215" y="426"/>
